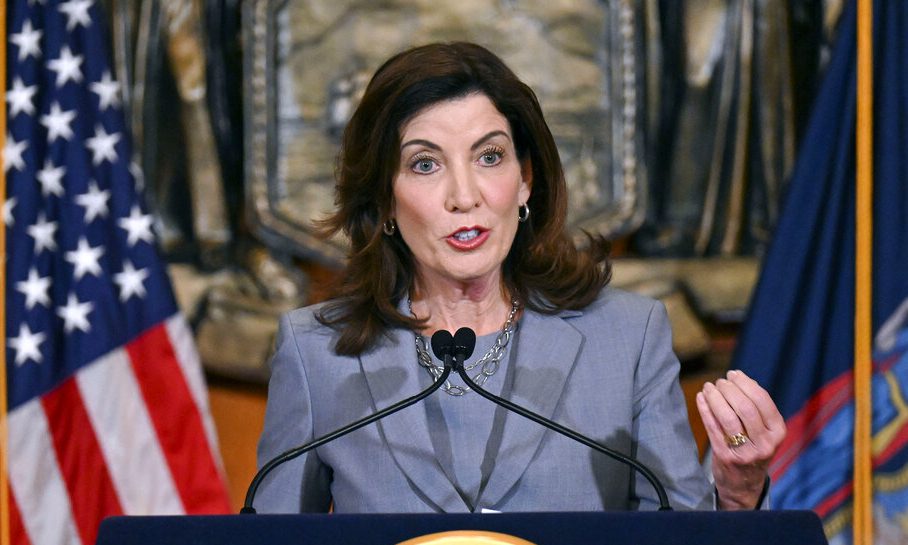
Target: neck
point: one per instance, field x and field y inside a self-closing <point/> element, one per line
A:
<point x="484" y="309"/>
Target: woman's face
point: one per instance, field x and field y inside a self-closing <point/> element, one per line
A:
<point x="457" y="191"/>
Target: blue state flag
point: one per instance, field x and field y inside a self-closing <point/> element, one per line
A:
<point x="798" y="340"/>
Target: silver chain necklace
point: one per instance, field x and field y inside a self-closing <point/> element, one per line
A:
<point x="488" y="364"/>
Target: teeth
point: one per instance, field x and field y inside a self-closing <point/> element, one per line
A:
<point x="464" y="236"/>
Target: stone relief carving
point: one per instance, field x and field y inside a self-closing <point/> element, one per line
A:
<point x="734" y="87"/>
<point x="309" y="63"/>
<point x="629" y="88"/>
<point x="175" y="59"/>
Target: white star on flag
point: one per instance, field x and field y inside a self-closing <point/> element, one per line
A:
<point x="75" y="314"/>
<point x="26" y="345"/>
<point x="50" y="179"/>
<point x="102" y="145"/>
<point x="76" y="12"/>
<point x="67" y="66"/>
<point x="85" y="259"/>
<point x="138" y="226"/>
<point x="20" y="98"/>
<point x="43" y="233"/>
<point x="35" y="289"/>
<point x="8" y="206"/>
<point x="57" y="122"/>
<point x="28" y="41"/>
<point x="12" y="153"/>
<point x="108" y="91"/>
<point x="131" y="281"/>
<point x="94" y="201"/>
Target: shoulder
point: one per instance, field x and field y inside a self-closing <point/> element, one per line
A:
<point x="618" y="307"/>
<point x="305" y="319"/>
<point x="615" y="318"/>
<point x="302" y="327"/>
<point x="302" y="341"/>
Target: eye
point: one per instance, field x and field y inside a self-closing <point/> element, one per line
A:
<point x="491" y="156"/>
<point x="423" y="165"/>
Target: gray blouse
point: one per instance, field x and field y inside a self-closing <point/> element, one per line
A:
<point x="456" y="421"/>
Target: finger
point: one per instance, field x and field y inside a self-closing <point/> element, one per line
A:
<point x="744" y="408"/>
<point x="710" y="424"/>
<point x="761" y="398"/>
<point x="730" y="458"/>
<point x="718" y="437"/>
<point x="725" y="415"/>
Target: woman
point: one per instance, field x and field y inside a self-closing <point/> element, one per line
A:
<point x="451" y="191"/>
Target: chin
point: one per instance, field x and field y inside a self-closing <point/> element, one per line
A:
<point x="474" y="275"/>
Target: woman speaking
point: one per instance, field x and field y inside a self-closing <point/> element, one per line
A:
<point x="451" y="191"/>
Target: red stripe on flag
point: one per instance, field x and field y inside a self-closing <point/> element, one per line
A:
<point x="17" y="535"/>
<point x="178" y="423"/>
<point x="91" y="491"/>
<point x="834" y="500"/>
<point x="803" y="427"/>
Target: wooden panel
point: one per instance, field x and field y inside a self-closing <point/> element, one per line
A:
<point x="239" y="413"/>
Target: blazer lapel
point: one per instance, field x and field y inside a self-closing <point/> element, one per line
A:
<point x="547" y="348"/>
<point x="392" y="374"/>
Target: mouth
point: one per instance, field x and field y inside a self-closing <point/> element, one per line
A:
<point x="466" y="235"/>
<point x="468" y="238"/>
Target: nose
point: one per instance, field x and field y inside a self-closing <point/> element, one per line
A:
<point x="463" y="191"/>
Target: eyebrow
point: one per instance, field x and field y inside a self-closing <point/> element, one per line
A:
<point x="432" y="145"/>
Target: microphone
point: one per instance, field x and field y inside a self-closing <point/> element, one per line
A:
<point x="463" y="344"/>
<point x="443" y="344"/>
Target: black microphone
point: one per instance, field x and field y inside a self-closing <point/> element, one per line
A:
<point x="443" y="345"/>
<point x="465" y="341"/>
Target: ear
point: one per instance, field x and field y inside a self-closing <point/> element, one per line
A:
<point x="526" y="182"/>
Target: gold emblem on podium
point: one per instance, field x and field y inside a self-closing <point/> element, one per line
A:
<point x="466" y="537"/>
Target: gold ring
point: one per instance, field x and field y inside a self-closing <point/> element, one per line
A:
<point x="737" y="440"/>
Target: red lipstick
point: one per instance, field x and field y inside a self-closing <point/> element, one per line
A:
<point x="467" y="238"/>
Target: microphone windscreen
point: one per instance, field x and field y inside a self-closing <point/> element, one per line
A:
<point x="465" y="342"/>
<point x="442" y="342"/>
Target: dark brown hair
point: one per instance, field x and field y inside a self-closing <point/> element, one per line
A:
<point x="543" y="270"/>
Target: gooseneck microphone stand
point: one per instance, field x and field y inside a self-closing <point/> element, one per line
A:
<point x="302" y="449"/>
<point x="463" y="343"/>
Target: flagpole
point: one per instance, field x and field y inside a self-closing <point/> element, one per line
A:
<point x="4" y="431"/>
<point x="863" y="483"/>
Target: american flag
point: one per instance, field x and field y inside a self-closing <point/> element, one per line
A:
<point x="107" y="406"/>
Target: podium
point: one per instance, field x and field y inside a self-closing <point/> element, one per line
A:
<point x="614" y="528"/>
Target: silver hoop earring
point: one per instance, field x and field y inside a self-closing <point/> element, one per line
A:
<point x="523" y="213"/>
<point x="389" y="227"/>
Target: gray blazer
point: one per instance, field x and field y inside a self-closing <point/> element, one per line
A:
<point x="607" y="371"/>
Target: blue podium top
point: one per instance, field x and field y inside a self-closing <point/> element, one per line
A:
<point x="638" y="528"/>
